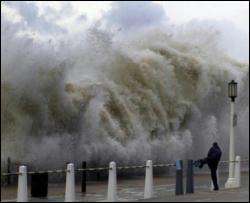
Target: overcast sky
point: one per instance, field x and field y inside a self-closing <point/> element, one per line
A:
<point x="177" y="11"/>
<point x="64" y="17"/>
<point x="181" y="11"/>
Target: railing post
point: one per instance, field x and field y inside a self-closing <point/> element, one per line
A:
<point x="22" y="189"/>
<point x="179" y="178"/>
<point x="70" y="183"/>
<point x="148" y="190"/>
<point x="84" y="177"/>
<point x="190" y="177"/>
<point x="112" y="183"/>
<point x="237" y="171"/>
<point x="39" y="185"/>
<point x="8" y="171"/>
<point x="98" y="176"/>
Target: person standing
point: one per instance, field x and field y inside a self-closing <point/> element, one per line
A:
<point x="212" y="160"/>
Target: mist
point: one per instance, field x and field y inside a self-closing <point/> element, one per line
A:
<point x="122" y="88"/>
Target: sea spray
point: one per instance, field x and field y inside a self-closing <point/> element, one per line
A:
<point x="153" y="95"/>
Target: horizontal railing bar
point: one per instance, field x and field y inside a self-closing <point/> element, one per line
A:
<point x="103" y="168"/>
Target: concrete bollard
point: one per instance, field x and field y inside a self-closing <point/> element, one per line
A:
<point x="70" y="183"/>
<point x="148" y="189"/>
<point x="22" y="189"/>
<point x="112" y="183"/>
<point x="237" y="171"/>
<point x="179" y="178"/>
<point x="190" y="177"/>
<point x="218" y="181"/>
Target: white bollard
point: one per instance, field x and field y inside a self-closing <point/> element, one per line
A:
<point x="218" y="181"/>
<point x="237" y="171"/>
<point x="112" y="183"/>
<point x="70" y="184"/>
<point x="22" y="189"/>
<point x="148" y="189"/>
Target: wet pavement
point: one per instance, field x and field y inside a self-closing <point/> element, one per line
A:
<point x="204" y="194"/>
<point x="133" y="190"/>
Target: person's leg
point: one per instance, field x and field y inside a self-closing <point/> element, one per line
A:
<point x="202" y="162"/>
<point x="214" y="178"/>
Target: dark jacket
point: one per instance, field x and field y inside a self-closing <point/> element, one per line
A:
<point x="214" y="154"/>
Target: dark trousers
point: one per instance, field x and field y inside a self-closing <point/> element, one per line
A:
<point x="213" y="168"/>
<point x="214" y="177"/>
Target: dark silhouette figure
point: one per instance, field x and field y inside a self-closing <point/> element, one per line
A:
<point x="212" y="160"/>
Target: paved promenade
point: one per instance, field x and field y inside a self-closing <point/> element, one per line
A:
<point x="204" y="195"/>
<point x="133" y="190"/>
<point x="232" y="195"/>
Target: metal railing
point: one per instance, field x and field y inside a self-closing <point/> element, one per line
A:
<point x="86" y="169"/>
<point x="103" y="168"/>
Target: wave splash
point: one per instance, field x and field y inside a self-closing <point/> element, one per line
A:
<point x="151" y="95"/>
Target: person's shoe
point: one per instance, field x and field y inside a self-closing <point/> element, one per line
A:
<point x="215" y="189"/>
